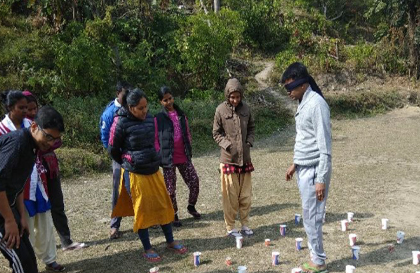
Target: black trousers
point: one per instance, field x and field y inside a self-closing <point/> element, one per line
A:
<point x="57" y="210"/>
<point x="21" y="260"/>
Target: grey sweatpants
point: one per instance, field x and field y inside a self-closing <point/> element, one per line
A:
<point x="313" y="210"/>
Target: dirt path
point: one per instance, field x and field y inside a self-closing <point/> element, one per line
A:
<point x="376" y="174"/>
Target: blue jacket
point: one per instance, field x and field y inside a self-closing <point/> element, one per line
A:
<point x="106" y="120"/>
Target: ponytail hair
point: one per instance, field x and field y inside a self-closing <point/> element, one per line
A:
<point x="9" y="98"/>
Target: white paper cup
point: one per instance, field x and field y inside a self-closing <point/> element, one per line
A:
<point x="416" y="257"/>
<point x="239" y="242"/>
<point x="344" y="225"/>
<point x="355" y="251"/>
<point x="154" y="270"/>
<point x="242" y="269"/>
<point x="275" y="258"/>
<point x="352" y="239"/>
<point x="350" y="216"/>
<point x="267" y="242"/>
<point x="283" y="230"/>
<point x="296" y="270"/>
<point x="196" y="257"/>
<point x="297" y="218"/>
<point x="385" y="224"/>
<point x="400" y="237"/>
<point x="298" y="244"/>
<point x="350" y="269"/>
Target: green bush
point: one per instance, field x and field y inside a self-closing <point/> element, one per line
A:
<point x="78" y="161"/>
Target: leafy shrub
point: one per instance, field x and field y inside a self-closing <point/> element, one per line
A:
<point x="78" y="161"/>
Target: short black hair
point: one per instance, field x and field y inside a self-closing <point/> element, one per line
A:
<point x="163" y="91"/>
<point x="49" y="118"/>
<point x="133" y="97"/>
<point x="295" y="71"/>
<point x="122" y="85"/>
<point x="10" y="97"/>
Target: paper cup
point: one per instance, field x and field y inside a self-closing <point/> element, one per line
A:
<point x="350" y="216"/>
<point x="275" y="258"/>
<point x="239" y="242"/>
<point x="385" y="224"/>
<point x="242" y="269"/>
<point x="297" y="219"/>
<point x="416" y="257"/>
<point x="355" y="251"/>
<point x="267" y="242"/>
<point x="283" y="230"/>
<point x="296" y="270"/>
<point x="196" y="256"/>
<point x="400" y="237"/>
<point x="352" y="239"/>
<point x="350" y="269"/>
<point x="298" y="244"/>
<point x="154" y="270"/>
<point x="228" y="261"/>
<point x="344" y="225"/>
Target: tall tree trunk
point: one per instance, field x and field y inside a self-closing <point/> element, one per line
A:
<point x="216" y="6"/>
<point x="413" y="13"/>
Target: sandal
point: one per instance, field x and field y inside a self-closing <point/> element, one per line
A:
<point x="152" y="257"/>
<point x="247" y="231"/>
<point x="114" y="233"/>
<point x="55" y="267"/>
<point x="178" y="248"/>
<point x="306" y="267"/>
<point x="191" y="210"/>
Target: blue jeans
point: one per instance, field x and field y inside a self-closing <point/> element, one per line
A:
<point x="313" y="210"/>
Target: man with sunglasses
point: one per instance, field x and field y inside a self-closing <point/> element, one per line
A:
<point x="312" y="157"/>
<point x="18" y="150"/>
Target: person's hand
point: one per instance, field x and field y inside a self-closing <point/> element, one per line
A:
<point x="11" y="237"/>
<point x="24" y="226"/>
<point x="320" y="191"/>
<point x="290" y="171"/>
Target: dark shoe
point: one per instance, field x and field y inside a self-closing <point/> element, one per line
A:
<point x="191" y="210"/>
<point x="55" y="267"/>
<point x="176" y="222"/>
<point x="114" y="233"/>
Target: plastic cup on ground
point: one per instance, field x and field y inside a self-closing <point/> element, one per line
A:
<point x="350" y="269"/>
<point x="416" y="257"/>
<point x="400" y="237"/>
<point x="228" y="261"/>
<point x="154" y="270"/>
<point x="283" y="230"/>
<point x="344" y="225"/>
<point x="275" y="258"/>
<point x="267" y="242"/>
<point x="242" y="269"/>
<point x="355" y="251"/>
<point x="352" y="239"/>
<point x="298" y="244"/>
<point x="385" y="224"/>
<point x="297" y="270"/>
<point x="350" y="216"/>
<point x="239" y="242"/>
<point x="297" y="218"/>
<point x="196" y="256"/>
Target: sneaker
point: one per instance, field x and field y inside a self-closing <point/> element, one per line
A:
<point x="74" y="246"/>
<point x="176" y="222"/>
<point x="234" y="233"/>
<point x="247" y="231"/>
<point x="191" y="210"/>
<point x="55" y="267"/>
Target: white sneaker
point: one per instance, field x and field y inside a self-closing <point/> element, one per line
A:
<point x="247" y="231"/>
<point x="234" y="233"/>
<point x="74" y="246"/>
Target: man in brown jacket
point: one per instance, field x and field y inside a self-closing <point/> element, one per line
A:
<point x="233" y="130"/>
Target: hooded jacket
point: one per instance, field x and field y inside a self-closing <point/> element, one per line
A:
<point x="233" y="128"/>
<point x="131" y="143"/>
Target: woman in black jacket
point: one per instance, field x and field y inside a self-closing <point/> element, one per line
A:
<point x="143" y="191"/>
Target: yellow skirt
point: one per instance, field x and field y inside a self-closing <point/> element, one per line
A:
<point x="150" y="203"/>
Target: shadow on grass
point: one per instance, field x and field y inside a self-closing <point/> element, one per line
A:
<point x="402" y="253"/>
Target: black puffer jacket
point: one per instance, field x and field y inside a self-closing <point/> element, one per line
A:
<point x="166" y="136"/>
<point x="131" y="143"/>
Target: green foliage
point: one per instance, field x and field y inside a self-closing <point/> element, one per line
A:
<point x="79" y="161"/>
